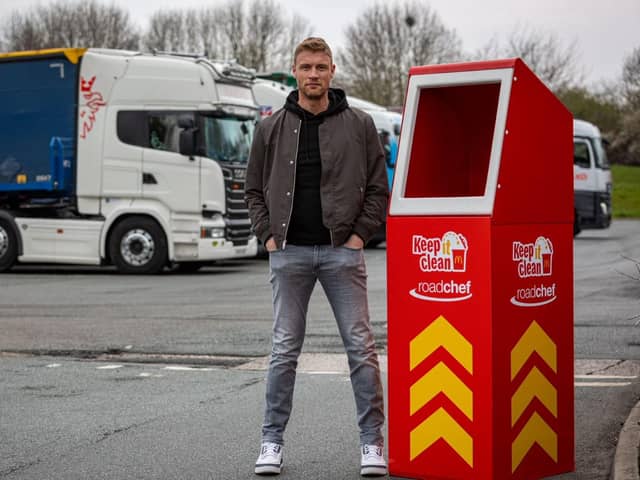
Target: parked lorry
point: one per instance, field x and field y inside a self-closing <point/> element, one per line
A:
<point x="117" y="157"/>
<point x="592" y="178"/>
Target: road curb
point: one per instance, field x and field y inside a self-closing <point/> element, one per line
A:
<point x="625" y="463"/>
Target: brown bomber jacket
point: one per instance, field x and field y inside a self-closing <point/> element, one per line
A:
<point x="353" y="186"/>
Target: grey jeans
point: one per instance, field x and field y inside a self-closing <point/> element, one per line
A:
<point x="342" y="274"/>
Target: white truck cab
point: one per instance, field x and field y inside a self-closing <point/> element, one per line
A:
<point x="592" y="178"/>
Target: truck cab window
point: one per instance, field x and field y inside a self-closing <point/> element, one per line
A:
<point x="581" y="154"/>
<point x="164" y="132"/>
<point x="131" y="128"/>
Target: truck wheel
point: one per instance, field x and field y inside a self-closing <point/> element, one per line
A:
<point x="137" y="245"/>
<point x="8" y="246"/>
<point x="576" y="224"/>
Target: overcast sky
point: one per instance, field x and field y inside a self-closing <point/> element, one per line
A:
<point x="604" y="31"/>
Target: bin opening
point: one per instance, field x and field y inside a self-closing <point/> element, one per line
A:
<point x="453" y="135"/>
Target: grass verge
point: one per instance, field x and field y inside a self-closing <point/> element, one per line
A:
<point x="626" y="191"/>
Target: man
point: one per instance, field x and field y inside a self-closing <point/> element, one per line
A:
<point x="317" y="191"/>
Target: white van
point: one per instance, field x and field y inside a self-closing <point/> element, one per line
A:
<point x="592" y="178"/>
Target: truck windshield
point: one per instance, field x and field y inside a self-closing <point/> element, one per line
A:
<point x="227" y="138"/>
<point x="601" y="155"/>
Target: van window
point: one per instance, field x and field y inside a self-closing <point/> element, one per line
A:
<point x="581" y="154"/>
<point x="601" y="155"/>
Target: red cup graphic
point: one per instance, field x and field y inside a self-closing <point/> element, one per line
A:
<point x="546" y="264"/>
<point x="459" y="259"/>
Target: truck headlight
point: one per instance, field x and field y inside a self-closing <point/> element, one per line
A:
<point x="212" y="232"/>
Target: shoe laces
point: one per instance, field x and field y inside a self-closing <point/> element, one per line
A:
<point x="371" y="452"/>
<point x="270" y="450"/>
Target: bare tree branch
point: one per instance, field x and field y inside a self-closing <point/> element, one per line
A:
<point x="70" y="24"/>
<point x="554" y="63"/>
<point x="386" y="40"/>
<point x="257" y="34"/>
<point x="631" y="79"/>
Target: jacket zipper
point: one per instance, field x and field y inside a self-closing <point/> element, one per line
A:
<point x="321" y="172"/>
<point x="293" y="187"/>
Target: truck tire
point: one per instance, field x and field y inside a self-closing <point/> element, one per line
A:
<point x="137" y="245"/>
<point x="8" y="246"/>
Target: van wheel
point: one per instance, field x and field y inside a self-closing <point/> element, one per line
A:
<point x="576" y="224"/>
<point x="137" y="245"/>
<point x="8" y="246"/>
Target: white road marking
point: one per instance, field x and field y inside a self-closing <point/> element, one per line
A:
<point x="150" y="375"/>
<point x="179" y="368"/>
<point x="602" y="384"/>
<point x="109" y="367"/>
<point x="54" y="365"/>
<point x="611" y="381"/>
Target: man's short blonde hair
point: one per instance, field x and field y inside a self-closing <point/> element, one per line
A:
<point x="313" y="44"/>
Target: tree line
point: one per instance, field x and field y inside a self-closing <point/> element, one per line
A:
<point x="381" y="44"/>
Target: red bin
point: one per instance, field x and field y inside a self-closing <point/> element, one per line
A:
<point x="480" y="277"/>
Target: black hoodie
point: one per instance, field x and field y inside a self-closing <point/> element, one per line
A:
<point x="305" y="226"/>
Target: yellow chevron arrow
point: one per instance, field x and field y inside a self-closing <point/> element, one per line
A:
<point x="534" y="340"/>
<point x="441" y="379"/>
<point x="441" y="334"/>
<point x="535" y="431"/>
<point x="535" y="385"/>
<point x="437" y="426"/>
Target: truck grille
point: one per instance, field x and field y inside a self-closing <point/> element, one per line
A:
<point x="237" y="216"/>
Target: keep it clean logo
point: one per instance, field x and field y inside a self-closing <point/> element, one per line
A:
<point x="446" y="254"/>
<point x="534" y="260"/>
<point x="441" y="254"/>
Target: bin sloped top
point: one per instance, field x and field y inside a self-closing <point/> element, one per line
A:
<point x="536" y="168"/>
<point x="463" y="66"/>
<point x="484" y="138"/>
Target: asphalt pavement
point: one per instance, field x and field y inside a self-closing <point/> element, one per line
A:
<point x="104" y="376"/>
<point x="100" y="419"/>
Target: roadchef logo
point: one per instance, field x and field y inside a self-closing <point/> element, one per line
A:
<point x="534" y="260"/>
<point x="441" y="254"/>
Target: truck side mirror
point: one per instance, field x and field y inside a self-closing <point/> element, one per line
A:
<point x="188" y="142"/>
<point x="186" y="121"/>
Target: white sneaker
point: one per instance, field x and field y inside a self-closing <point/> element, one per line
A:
<point x="372" y="463"/>
<point x="270" y="460"/>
